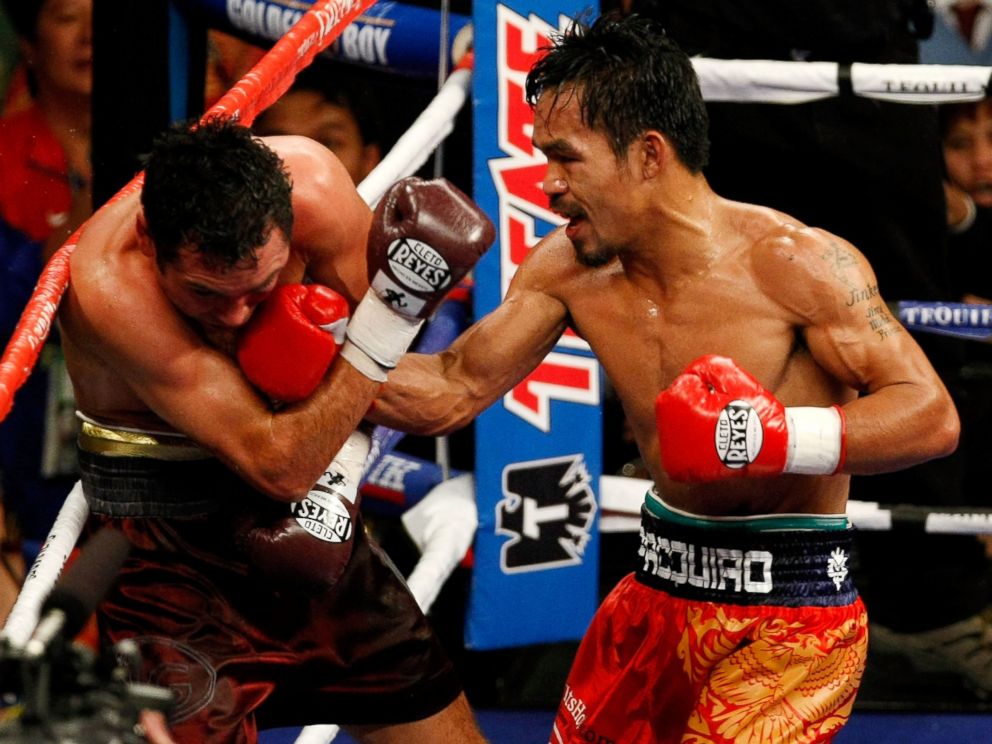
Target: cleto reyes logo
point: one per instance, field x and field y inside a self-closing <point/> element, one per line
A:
<point x="738" y="435"/>
<point x="418" y="266"/>
<point x="323" y="516"/>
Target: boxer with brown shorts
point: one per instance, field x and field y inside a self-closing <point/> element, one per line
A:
<point x="202" y="328"/>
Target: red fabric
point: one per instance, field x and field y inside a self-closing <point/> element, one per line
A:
<point x="34" y="185"/>
<point x="654" y="669"/>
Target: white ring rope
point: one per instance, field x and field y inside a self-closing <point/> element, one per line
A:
<point x="427" y="132"/>
<point x="46" y="568"/>
<point x="773" y="81"/>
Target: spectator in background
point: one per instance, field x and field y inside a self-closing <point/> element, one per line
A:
<point x="961" y="34"/>
<point x="323" y="106"/>
<point x="44" y="196"/>
<point x="878" y="182"/>
<point x="966" y="131"/>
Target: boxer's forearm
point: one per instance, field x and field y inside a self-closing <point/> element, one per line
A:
<point x="898" y="426"/>
<point x="425" y="395"/>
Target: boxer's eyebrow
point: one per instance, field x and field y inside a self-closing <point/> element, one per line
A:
<point x="202" y="289"/>
<point x="557" y="148"/>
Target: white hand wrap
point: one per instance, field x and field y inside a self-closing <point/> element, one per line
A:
<point x="345" y="471"/>
<point x="816" y="440"/>
<point x="377" y="337"/>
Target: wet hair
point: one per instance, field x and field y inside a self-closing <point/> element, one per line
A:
<point x="216" y="189"/>
<point x="629" y="77"/>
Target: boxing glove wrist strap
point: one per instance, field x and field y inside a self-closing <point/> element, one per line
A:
<point x="362" y="362"/>
<point x="381" y="332"/>
<point x="816" y="440"/>
<point x="348" y="464"/>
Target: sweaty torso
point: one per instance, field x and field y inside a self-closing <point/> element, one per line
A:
<point x="645" y="336"/>
<point x="113" y="279"/>
<point x="109" y="256"/>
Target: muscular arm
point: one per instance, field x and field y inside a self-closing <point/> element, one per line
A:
<point x="439" y="393"/>
<point x="905" y="415"/>
<point x="115" y="314"/>
<point x="201" y="392"/>
<point x="331" y="222"/>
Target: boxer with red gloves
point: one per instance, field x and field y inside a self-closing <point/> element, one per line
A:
<point x="425" y="236"/>
<point x="736" y="568"/>
<point x="292" y="339"/>
<point x="716" y="421"/>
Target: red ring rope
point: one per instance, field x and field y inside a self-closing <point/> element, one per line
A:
<point x="264" y="84"/>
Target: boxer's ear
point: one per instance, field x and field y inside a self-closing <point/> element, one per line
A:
<point x="654" y="153"/>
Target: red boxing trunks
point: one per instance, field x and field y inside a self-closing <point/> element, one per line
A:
<point x="739" y="630"/>
<point x="240" y="652"/>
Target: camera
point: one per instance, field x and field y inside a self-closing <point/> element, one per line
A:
<point x="66" y="693"/>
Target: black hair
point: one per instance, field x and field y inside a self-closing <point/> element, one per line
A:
<point x="334" y="87"/>
<point x="949" y="113"/>
<point x="23" y="16"/>
<point x="216" y="189"/>
<point x="629" y="77"/>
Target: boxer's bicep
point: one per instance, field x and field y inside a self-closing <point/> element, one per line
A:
<point x="906" y="415"/>
<point x="850" y="331"/>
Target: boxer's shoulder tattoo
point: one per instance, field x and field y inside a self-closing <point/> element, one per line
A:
<point x="866" y="293"/>
<point x="842" y="262"/>
<point x="880" y="320"/>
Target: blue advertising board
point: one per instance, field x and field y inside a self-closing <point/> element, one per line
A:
<point x="539" y="449"/>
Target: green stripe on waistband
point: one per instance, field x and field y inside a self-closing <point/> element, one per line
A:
<point x="757" y="523"/>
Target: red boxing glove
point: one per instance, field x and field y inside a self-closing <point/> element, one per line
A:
<point x="425" y="236"/>
<point x="716" y="421"/>
<point x="308" y="544"/>
<point x="289" y="343"/>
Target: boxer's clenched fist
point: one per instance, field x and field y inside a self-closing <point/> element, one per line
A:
<point x="425" y="236"/>
<point x="716" y="421"/>
<point x="291" y="340"/>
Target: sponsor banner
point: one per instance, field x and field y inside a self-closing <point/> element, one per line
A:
<point x="389" y="35"/>
<point x="959" y="319"/>
<point x="538" y="450"/>
<point x="397" y="481"/>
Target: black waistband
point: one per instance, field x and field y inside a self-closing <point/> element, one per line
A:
<point x="791" y="568"/>
<point x="145" y="487"/>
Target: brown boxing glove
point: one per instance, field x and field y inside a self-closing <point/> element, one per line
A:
<point x="425" y="237"/>
<point x="307" y="544"/>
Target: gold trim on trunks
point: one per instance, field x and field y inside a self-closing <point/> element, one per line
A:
<point x="102" y="440"/>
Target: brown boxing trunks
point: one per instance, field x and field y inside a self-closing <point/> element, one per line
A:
<point x="242" y="653"/>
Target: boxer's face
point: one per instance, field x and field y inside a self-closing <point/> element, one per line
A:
<point x="585" y="182"/>
<point x="221" y="299"/>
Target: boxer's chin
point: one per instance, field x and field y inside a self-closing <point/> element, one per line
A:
<point x="592" y="254"/>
